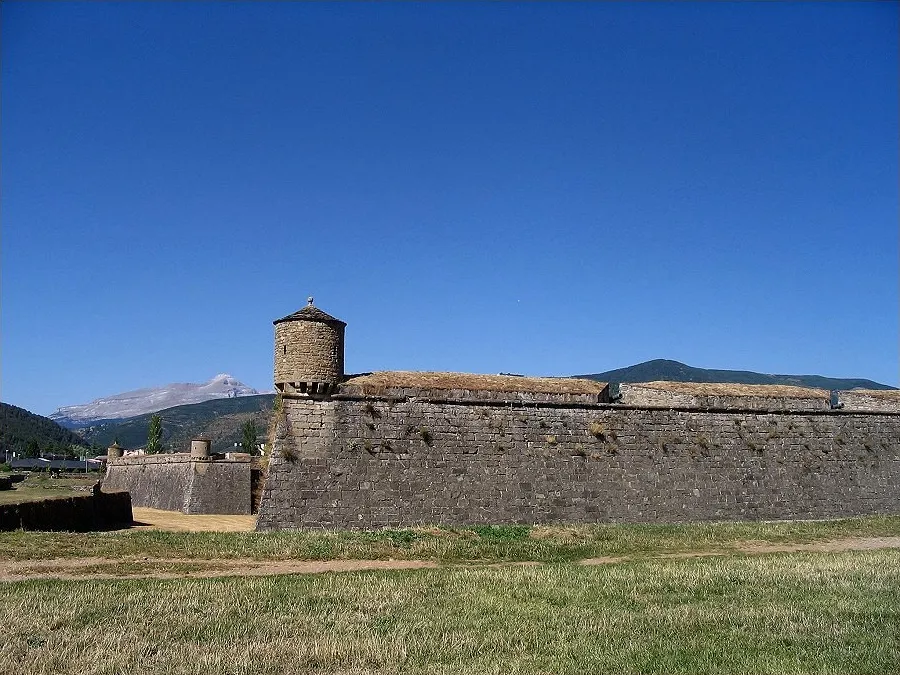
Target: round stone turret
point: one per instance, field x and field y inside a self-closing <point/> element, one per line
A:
<point x="309" y="352"/>
<point x="200" y="447"/>
<point x="113" y="451"/>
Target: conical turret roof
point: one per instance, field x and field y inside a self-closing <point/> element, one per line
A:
<point x="311" y="313"/>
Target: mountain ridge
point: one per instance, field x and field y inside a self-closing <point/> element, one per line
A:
<point x="675" y="371"/>
<point x="220" y="420"/>
<point x="146" y="400"/>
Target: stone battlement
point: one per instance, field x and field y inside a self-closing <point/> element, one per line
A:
<point x="721" y="396"/>
<point x="870" y="400"/>
<point x="402" y="448"/>
<point x="464" y="387"/>
<point x="176" y="458"/>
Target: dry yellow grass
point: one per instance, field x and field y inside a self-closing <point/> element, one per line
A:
<point x="374" y="383"/>
<point x="882" y="394"/>
<point x="174" y="521"/>
<point x="732" y="389"/>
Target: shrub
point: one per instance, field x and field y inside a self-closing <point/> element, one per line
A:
<point x="597" y="430"/>
<point x="502" y="532"/>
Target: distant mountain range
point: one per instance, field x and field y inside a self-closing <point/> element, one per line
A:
<point x="149" y="400"/>
<point x="220" y="420"/>
<point x="673" y="371"/>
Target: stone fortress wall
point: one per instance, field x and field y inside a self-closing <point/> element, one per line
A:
<point x="396" y="454"/>
<point x="186" y="483"/>
<point x="401" y="449"/>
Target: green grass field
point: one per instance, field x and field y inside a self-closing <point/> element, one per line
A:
<point x="488" y="544"/>
<point x="797" y="613"/>
<point x="804" y="612"/>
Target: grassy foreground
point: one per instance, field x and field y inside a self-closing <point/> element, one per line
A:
<point x="796" y="613"/>
<point x="487" y="544"/>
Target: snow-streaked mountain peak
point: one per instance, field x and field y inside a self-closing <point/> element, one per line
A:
<point x="151" y="399"/>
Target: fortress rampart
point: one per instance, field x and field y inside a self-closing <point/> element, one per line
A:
<point x="182" y="482"/>
<point x="401" y="449"/>
<point x="377" y="455"/>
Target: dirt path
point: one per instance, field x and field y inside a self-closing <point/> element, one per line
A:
<point x="848" y="544"/>
<point x="763" y="547"/>
<point x="174" y="568"/>
<point x="194" y="568"/>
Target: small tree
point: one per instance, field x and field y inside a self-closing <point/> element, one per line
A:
<point x="154" y="435"/>
<point x="32" y="449"/>
<point x="248" y="436"/>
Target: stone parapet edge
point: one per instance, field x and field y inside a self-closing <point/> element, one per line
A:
<point x="602" y="406"/>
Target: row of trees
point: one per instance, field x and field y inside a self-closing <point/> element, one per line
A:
<point x="35" y="449"/>
<point x="249" y="432"/>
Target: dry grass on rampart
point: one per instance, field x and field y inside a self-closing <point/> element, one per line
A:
<point x="733" y="389"/>
<point x="881" y="394"/>
<point x="374" y="383"/>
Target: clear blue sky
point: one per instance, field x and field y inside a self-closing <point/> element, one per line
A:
<point x="546" y="189"/>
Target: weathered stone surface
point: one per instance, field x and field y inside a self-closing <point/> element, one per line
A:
<point x="722" y="396"/>
<point x="373" y="462"/>
<point x="308" y="351"/>
<point x="180" y="482"/>
<point x="78" y="513"/>
<point x="469" y="386"/>
<point x="870" y="400"/>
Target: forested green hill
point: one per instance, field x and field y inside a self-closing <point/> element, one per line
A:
<point x="28" y="434"/>
<point x="219" y="420"/>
